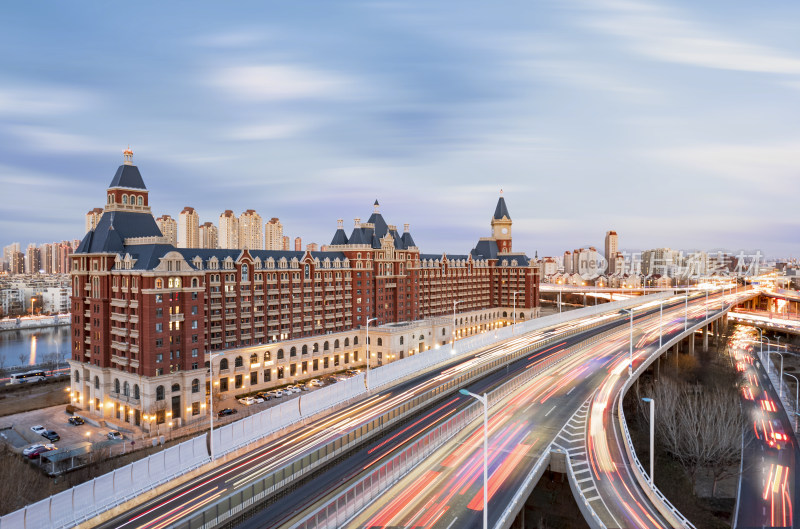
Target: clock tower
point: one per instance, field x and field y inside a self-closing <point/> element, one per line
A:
<point x="501" y="226"/>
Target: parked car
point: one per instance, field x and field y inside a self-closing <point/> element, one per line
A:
<point x="276" y="393"/>
<point x="352" y="372"/>
<point x="258" y="399"/>
<point x="114" y="435"/>
<point x="302" y="387"/>
<point x="37" y="449"/>
<point x="225" y="412"/>
<point x="38" y="429"/>
<point x="264" y="395"/>
<point x="75" y="420"/>
<point x="51" y="435"/>
<point x="292" y="389"/>
<point x="247" y="401"/>
<point x="316" y="383"/>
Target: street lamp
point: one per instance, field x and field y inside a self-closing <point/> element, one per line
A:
<point x="796" y="395"/>
<point x="485" y="401"/>
<point x="366" y="379"/>
<point x="453" y="350"/>
<point x="630" y="352"/>
<point x="515" y="311"/>
<point x="211" y="403"/>
<point x="761" y="341"/>
<point x="652" y="403"/>
<point x="781" y="376"/>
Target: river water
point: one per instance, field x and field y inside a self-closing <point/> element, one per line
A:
<point x="28" y="347"/>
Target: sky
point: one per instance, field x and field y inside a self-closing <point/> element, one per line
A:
<point x="673" y="123"/>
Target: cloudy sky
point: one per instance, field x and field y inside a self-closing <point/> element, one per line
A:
<point x="674" y="123"/>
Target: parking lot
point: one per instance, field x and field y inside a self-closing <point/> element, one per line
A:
<point x="16" y="429"/>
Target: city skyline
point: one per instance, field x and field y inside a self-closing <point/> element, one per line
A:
<point x="638" y="117"/>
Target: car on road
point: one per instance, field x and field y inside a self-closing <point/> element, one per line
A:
<point x="75" y="420"/>
<point x="114" y="435"/>
<point x="51" y="435"/>
<point x="275" y="394"/>
<point x="225" y="412"/>
<point x="264" y="395"/>
<point x="315" y="383"/>
<point x="33" y="451"/>
<point x="247" y="401"/>
<point x="303" y="387"/>
<point x="38" y="429"/>
<point x="293" y="389"/>
<point x="352" y="372"/>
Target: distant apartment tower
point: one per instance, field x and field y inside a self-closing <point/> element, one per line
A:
<point x="92" y="218"/>
<point x="169" y="228"/>
<point x="250" y="234"/>
<point x="188" y="228"/>
<point x="208" y="236"/>
<point x="17" y="263"/>
<point x="228" y="235"/>
<point x="32" y="260"/>
<point x="8" y="253"/>
<point x="273" y="234"/>
<point x="312" y="247"/>
<point x="298" y="244"/>
<point x="286" y="242"/>
<point x="612" y="248"/>
<point x="567" y="262"/>
<point x="658" y="261"/>
<point x="46" y="261"/>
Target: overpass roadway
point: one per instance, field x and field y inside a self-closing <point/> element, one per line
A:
<point x="197" y="495"/>
<point x="446" y="490"/>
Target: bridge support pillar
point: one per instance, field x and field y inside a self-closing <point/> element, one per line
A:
<point x="705" y="338"/>
<point x="691" y="344"/>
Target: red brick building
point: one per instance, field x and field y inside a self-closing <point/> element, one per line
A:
<point x="148" y="317"/>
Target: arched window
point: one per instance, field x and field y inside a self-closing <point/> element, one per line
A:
<point x="253" y="359"/>
<point x="239" y="362"/>
<point x="267" y="356"/>
<point x="96" y="382"/>
<point x="336" y="344"/>
<point x="140" y="201"/>
<point x="244" y="273"/>
<point x="316" y="348"/>
<point x="195" y="283"/>
<point x="136" y="391"/>
<point x="280" y="354"/>
<point x="116" y="385"/>
<point x="347" y="342"/>
<point x="110" y="199"/>
<point x="293" y="351"/>
<point x="325" y="346"/>
<point x="305" y="349"/>
<point x="125" y="199"/>
<point x="522" y="315"/>
<point x="176" y="387"/>
<point x="223" y="364"/>
<point x="355" y="340"/>
<point x="126" y="389"/>
<point x="380" y="341"/>
<point x="159" y="283"/>
<point x="505" y="314"/>
<point x="195" y="386"/>
<point x="77" y="376"/>
<point x="401" y="340"/>
<point x="160" y="393"/>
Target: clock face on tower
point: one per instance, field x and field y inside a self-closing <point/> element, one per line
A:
<point x="505" y="231"/>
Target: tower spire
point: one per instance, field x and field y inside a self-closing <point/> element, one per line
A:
<point x="128" y="154"/>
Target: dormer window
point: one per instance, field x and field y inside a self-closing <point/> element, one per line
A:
<point x="140" y="201"/>
<point x="125" y="200"/>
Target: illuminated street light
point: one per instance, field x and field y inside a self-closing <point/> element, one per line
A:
<point x="485" y="401"/>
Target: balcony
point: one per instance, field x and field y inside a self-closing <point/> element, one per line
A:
<point x="119" y="360"/>
<point x="120" y="345"/>
<point x="175" y="317"/>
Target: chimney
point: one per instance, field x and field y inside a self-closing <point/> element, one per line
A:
<point x="339" y="223"/>
<point x="357" y="222"/>
<point x="406" y="227"/>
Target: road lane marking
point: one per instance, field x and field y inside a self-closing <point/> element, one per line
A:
<point x="549" y="412"/>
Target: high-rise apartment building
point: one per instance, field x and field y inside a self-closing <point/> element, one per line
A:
<point x="188" y="302"/>
<point x="92" y="218"/>
<point x="8" y="253"/>
<point x="32" y="260"/>
<point x="286" y="242"/>
<point x="17" y="263"/>
<point x="250" y="234"/>
<point x="298" y="244"/>
<point x="228" y="234"/>
<point x="46" y="258"/>
<point x="208" y="236"/>
<point x="273" y="235"/>
<point x="312" y="247"/>
<point x="612" y="247"/>
<point x="188" y="228"/>
<point x="169" y="229"/>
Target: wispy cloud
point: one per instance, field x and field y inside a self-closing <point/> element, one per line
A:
<point x="36" y="101"/>
<point x="665" y="35"/>
<point x="269" y="131"/>
<point x="46" y="139"/>
<point x="280" y="82"/>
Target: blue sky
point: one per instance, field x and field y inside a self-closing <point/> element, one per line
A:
<point x="674" y="123"/>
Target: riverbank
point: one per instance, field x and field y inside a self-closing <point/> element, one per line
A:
<point x="34" y="322"/>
